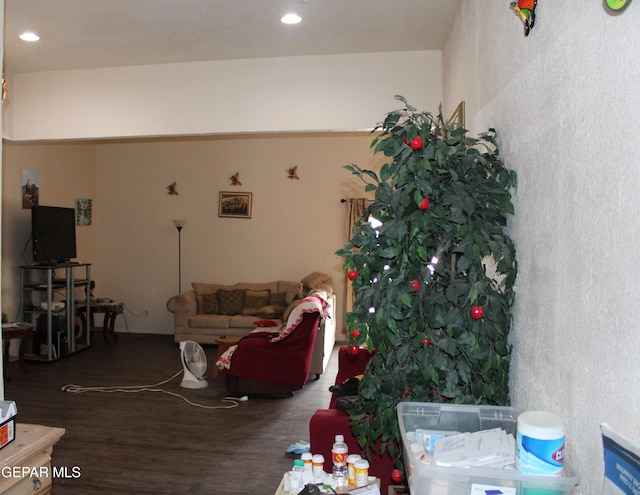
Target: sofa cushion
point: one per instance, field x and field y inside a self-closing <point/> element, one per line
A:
<point x="240" y="321"/>
<point x="230" y="302"/>
<point x="289" y="309"/>
<point x="293" y="290"/>
<point x="254" y="300"/>
<point x="202" y="289"/>
<point x="209" y="321"/>
<point x="271" y="311"/>
<point x="278" y="299"/>
<point x="270" y="286"/>
<point x="209" y="304"/>
<point x="315" y="279"/>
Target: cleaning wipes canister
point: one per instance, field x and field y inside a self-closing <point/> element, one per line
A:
<point x="540" y="443"/>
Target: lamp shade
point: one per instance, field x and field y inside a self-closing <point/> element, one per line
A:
<point x="179" y="222"/>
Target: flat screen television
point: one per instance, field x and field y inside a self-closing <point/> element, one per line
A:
<point x="53" y="234"/>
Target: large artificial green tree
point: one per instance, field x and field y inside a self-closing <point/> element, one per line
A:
<point x="433" y="284"/>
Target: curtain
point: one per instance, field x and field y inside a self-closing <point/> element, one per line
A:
<point x="355" y="211"/>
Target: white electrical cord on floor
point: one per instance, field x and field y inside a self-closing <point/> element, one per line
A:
<point x="78" y="389"/>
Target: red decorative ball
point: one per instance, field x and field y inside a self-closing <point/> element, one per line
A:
<point x="416" y="143"/>
<point x="424" y="204"/>
<point x="396" y="475"/>
<point x="426" y="342"/>
<point x="404" y="139"/>
<point x="352" y="275"/>
<point x="355" y="333"/>
<point x="405" y="393"/>
<point x="354" y="350"/>
<point x="476" y="312"/>
<point x="416" y="285"/>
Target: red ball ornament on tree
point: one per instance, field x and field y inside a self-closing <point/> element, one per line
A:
<point x="404" y="139"/>
<point x="396" y="475"/>
<point x="426" y="342"/>
<point x="424" y="204"/>
<point x="416" y="143"/>
<point x="476" y="312"/>
<point x="354" y="350"/>
<point x="352" y="275"/>
<point x="355" y="333"/>
<point x="416" y="285"/>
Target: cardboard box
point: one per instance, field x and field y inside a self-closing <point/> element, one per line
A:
<point x="8" y="411"/>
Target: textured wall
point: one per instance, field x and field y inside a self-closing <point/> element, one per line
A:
<point x="565" y="102"/>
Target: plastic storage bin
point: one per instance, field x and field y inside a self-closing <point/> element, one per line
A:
<point x="426" y="479"/>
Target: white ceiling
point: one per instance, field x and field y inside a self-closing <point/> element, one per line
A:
<point x="77" y="34"/>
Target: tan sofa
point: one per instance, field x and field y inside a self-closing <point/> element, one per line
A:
<point x="214" y="310"/>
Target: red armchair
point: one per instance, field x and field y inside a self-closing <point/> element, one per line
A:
<point x="266" y="363"/>
<point x="326" y="423"/>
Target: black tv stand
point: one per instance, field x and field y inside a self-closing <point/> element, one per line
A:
<point x="44" y="288"/>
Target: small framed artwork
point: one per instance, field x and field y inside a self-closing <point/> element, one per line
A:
<point x="30" y="185"/>
<point x="235" y="204"/>
<point x="84" y="211"/>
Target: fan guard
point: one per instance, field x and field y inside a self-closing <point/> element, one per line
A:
<point x="194" y="362"/>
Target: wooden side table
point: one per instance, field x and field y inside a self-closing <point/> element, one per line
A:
<point x="223" y="344"/>
<point x="110" y="309"/>
<point x="22" y="331"/>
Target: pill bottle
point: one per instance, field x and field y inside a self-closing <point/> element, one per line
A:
<point x="361" y="468"/>
<point x="307" y="458"/>
<point x="351" y="470"/>
<point x="317" y="467"/>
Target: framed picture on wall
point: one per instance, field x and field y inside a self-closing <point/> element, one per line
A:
<point x="30" y="185"/>
<point x="235" y="204"/>
<point x="83" y="211"/>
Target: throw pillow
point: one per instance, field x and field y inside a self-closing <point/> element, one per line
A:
<point x="278" y="299"/>
<point x="256" y="298"/>
<point x="230" y="302"/>
<point x="271" y="311"/>
<point x="210" y="304"/>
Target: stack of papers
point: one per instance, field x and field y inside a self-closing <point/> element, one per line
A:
<point x="488" y="449"/>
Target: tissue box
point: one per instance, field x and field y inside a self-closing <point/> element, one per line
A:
<point x="8" y="413"/>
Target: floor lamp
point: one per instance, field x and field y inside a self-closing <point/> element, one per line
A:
<point x="179" y="223"/>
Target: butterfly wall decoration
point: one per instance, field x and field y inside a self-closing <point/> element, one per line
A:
<point x="292" y="173"/>
<point x="171" y="189"/>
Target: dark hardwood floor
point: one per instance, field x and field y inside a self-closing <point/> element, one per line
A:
<point x="154" y="443"/>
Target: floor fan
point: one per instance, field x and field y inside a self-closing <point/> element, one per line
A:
<point x="194" y="362"/>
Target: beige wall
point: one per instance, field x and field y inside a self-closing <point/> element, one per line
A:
<point x="296" y="225"/>
<point x="67" y="171"/>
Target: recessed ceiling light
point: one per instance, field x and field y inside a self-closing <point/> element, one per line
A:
<point x="291" y="18"/>
<point x="28" y="36"/>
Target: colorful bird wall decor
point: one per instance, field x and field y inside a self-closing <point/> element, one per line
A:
<point x="616" y="6"/>
<point x="292" y="173"/>
<point x="526" y="11"/>
<point x="171" y="189"/>
<point x="235" y="181"/>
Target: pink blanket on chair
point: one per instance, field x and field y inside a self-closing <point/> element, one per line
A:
<point x="310" y="304"/>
